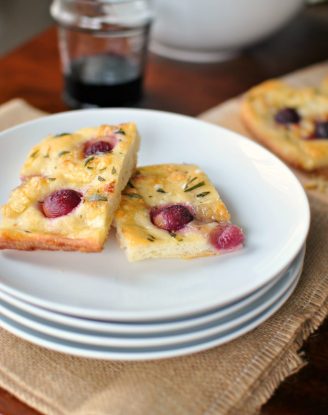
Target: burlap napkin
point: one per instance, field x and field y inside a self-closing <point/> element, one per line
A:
<point x="236" y="378"/>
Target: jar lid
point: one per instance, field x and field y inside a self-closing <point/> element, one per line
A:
<point x="99" y="14"/>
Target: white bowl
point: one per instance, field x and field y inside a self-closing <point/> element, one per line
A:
<point x="214" y="30"/>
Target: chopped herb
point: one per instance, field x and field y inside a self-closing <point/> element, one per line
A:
<point x="103" y="169"/>
<point x="192" y="180"/>
<point x="62" y="153"/>
<point x="203" y="194"/>
<point x="87" y="161"/>
<point x="151" y="238"/>
<point x="189" y="181"/>
<point x="61" y="134"/>
<point x="120" y="131"/>
<point x="46" y="156"/>
<point x="175" y="236"/>
<point x="34" y="154"/>
<point x="160" y="190"/>
<point x="98" y="198"/>
<point x="27" y="231"/>
<point x="132" y="195"/>
<point x="150" y="196"/>
<point x="52" y="179"/>
<point x="196" y="186"/>
<point x="101" y="179"/>
<point x="113" y="170"/>
<point x="89" y="168"/>
<point x="130" y="184"/>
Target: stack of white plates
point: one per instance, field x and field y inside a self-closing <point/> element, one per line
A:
<point x="101" y="306"/>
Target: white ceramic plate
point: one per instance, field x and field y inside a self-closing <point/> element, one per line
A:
<point x="91" y="327"/>
<point x="112" y="353"/>
<point x="160" y="339"/>
<point x="263" y="195"/>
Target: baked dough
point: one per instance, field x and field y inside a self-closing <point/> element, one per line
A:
<point x="295" y="143"/>
<point x="59" y="162"/>
<point x="164" y="185"/>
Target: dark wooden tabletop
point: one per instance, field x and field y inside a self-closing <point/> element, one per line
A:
<point x="32" y="72"/>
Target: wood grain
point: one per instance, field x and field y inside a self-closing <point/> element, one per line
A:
<point x="32" y="72"/>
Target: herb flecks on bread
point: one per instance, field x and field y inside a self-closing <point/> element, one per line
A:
<point x="174" y="211"/>
<point x="71" y="188"/>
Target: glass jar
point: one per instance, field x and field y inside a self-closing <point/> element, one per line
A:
<point x="103" y="45"/>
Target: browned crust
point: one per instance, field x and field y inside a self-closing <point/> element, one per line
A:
<point x="30" y="242"/>
<point x="323" y="172"/>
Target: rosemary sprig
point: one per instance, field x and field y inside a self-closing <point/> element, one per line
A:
<point x="203" y="194"/>
<point x="120" y="131"/>
<point x="61" y="134"/>
<point x="98" y="198"/>
<point x="132" y="195"/>
<point x="62" y="153"/>
<point x="196" y="186"/>
<point x="87" y="161"/>
<point x="189" y="181"/>
<point x="34" y="154"/>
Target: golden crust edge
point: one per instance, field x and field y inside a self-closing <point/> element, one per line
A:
<point x="16" y="240"/>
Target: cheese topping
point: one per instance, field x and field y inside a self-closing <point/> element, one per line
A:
<point x="164" y="185"/>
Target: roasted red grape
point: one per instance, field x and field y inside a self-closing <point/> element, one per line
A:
<point x="321" y="129"/>
<point x="60" y="203"/>
<point x="287" y="116"/>
<point x="171" y="218"/>
<point x="226" y="237"/>
<point x="97" y="147"/>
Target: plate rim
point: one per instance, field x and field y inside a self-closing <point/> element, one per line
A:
<point x="183" y="311"/>
<point x="164" y="354"/>
<point x="193" y="334"/>
<point x="141" y="328"/>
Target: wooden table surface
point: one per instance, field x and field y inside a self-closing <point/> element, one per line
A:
<point x="33" y="73"/>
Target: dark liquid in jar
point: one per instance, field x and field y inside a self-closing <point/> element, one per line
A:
<point x="102" y="81"/>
